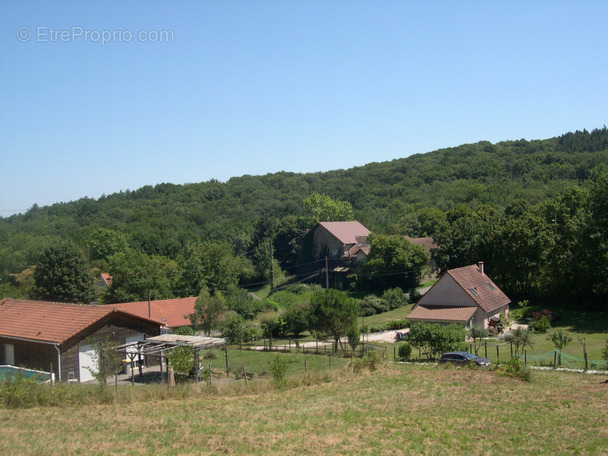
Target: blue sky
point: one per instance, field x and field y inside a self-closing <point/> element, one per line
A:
<point x="195" y="90"/>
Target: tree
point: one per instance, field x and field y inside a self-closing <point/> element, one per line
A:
<point x="209" y="311"/>
<point x="297" y="318"/>
<point x="319" y="207"/>
<point x="560" y="338"/>
<point x="182" y="359"/>
<point x="477" y="333"/>
<point x="137" y="276"/>
<point x="353" y="335"/>
<point x="232" y="327"/>
<point x="520" y="338"/>
<point x="435" y="339"/>
<point x="393" y="262"/>
<point x="62" y="274"/>
<point x="107" y="359"/>
<point x="103" y="243"/>
<point x="332" y="314"/>
<point x="210" y="264"/>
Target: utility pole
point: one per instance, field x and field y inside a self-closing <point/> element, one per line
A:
<point x="271" y="268"/>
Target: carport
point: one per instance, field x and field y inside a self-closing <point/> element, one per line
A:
<point x="161" y="346"/>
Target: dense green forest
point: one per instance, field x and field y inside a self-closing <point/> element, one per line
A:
<point x="534" y="211"/>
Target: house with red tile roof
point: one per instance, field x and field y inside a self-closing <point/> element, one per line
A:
<point x="44" y="335"/>
<point x="340" y="243"/>
<point x="172" y="313"/>
<point x="339" y="240"/>
<point x="463" y="295"/>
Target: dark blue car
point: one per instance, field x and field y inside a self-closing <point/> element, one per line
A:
<point x="464" y="358"/>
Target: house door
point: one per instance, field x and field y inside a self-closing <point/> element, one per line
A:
<point x="87" y="363"/>
<point x="9" y="354"/>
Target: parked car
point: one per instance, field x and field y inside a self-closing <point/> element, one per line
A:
<point x="464" y="358"/>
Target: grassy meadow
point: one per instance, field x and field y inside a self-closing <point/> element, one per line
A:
<point x="396" y="410"/>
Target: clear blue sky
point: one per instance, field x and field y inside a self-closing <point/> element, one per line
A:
<point x="226" y="88"/>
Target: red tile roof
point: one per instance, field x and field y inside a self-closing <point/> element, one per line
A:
<point x="427" y="242"/>
<point x="441" y="313"/>
<point x="346" y="232"/>
<point x="479" y="287"/>
<point x="48" y="321"/>
<point x="170" y="312"/>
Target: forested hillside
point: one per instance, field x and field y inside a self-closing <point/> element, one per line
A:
<point x="164" y="229"/>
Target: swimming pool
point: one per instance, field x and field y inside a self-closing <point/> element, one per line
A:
<point x="13" y="371"/>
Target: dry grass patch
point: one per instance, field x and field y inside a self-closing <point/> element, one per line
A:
<point x="396" y="410"/>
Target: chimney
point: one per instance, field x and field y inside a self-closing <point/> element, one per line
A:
<point x="480" y="266"/>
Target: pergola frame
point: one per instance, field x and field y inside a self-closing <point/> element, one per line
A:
<point x="161" y="346"/>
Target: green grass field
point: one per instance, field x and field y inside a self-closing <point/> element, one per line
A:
<point x="397" y="410"/>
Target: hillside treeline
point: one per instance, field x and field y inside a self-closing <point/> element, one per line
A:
<point x="497" y="202"/>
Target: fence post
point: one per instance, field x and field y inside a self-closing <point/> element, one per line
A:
<point x="511" y="349"/>
<point x="497" y="353"/>
<point x="305" y="369"/>
<point x="585" y="355"/>
<point x="554" y="358"/>
<point x="525" y="357"/>
<point x="486" y="348"/>
<point x="329" y="362"/>
<point x="394" y="353"/>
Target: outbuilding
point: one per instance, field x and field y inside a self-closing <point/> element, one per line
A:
<point x="61" y="337"/>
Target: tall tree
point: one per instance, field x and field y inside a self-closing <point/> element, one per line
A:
<point x="137" y="276"/>
<point x="209" y="311"/>
<point x="393" y="262"/>
<point x="62" y="274"/>
<point x="332" y="313"/>
<point x="319" y="207"/>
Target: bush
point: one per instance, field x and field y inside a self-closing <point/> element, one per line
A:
<point x="394" y="297"/>
<point x="396" y="324"/>
<point x="542" y="325"/>
<point x="514" y="368"/>
<point x="413" y="296"/>
<point x="379" y="305"/>
<point x="371" y="360"/>
<point x="251" y="333"/>
<point x="277" y="369"/>
<point x="543" y="313"/>
<point x="232" y="328"/>
<point x="405" y="352"/>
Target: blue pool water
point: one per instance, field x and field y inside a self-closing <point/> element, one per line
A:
<point x="12" y="371"/>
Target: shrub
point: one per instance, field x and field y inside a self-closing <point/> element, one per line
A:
<point x="371" y="360"/>
<point x="405" y="351"/>
<point x="297" y="318"/>
<point x="277" y="369"/>
<point x="396" y="324"/>
<point x="251" y="333"/>
<point x="374" y="302"/>
<point x="394" y="297"/>
<point x="232" y="327"/>
<point x="413" y="296"/>
<point x="543" y="313"/>
<point x="541" y="325"/>
<point x="514" y="368"/>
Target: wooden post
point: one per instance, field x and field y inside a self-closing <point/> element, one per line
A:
<point x="329" y="362"/>
<point x="226" y="355"/>
<point x="305" y="365"/>
<point x="486" y="348"/>
<point x="497" y="353"/>
<point x="554" y="359"/>
<point x="210" y="374"/>
<point x="585" y="355"/>
<point x="244" y="374"/>
<point x="525" y="357"/>
<point x="394" y="353"/>
<point x="511" y="349"/>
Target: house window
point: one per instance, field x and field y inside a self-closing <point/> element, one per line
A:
<point x="472" y="290"/>
<point x="491" y="286"/>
